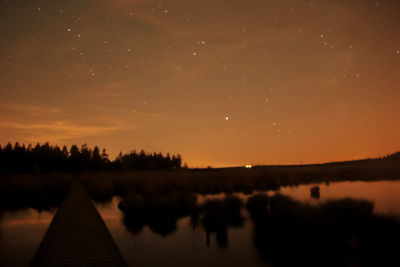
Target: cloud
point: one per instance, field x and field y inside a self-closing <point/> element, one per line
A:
<point x="30" y="109"/>
<point x="57" y="131"/>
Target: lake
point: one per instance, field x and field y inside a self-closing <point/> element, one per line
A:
<point x="235" y="239"/>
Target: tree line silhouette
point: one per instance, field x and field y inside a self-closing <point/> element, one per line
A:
<point x="45" y="158"/>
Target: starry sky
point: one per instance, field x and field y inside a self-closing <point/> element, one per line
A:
<point x="221" y="82"/>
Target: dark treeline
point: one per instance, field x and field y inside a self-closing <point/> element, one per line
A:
<point x="395" y="156"/>
<point x="44" y="158"/>
<point x="386" y="158"/>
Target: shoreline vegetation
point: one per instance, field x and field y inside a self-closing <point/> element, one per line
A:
<point x="46" y="190"/>
<point x="151" y="174"/>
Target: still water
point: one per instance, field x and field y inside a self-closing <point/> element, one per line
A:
<point x="188" y="245"/>
<point x="20" y="235"/>
<point x="21" y="231"/>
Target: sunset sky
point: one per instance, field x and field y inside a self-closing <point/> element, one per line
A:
<point x="222" y="82"/>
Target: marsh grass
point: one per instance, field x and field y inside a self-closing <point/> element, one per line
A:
<point x="104" y="185"/>
<point x="41" y="192"/>
<point x="44" y="191"/>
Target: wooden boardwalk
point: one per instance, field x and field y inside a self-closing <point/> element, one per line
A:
<point x="77" y="235"/>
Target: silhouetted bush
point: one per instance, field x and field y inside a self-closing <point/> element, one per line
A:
<point x="315" y="192"/>
<point x="42" y="193"/>
<point x="159" y="211"/>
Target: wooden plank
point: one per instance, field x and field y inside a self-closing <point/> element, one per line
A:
<point x="77" y="235"/>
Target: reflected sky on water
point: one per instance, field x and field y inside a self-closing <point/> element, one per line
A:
<point x="21" y="231"/>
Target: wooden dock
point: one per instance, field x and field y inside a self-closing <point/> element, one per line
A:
<point x="77" y="235"/>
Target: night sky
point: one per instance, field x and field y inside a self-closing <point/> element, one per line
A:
<point x="222" y="82"/>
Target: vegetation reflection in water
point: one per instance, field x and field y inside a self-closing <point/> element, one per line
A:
<point x="285" y="231"/>
<point x="285" y="227"/>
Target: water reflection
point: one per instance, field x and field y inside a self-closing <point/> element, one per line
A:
<point x="336" y="233"/>
<point x="384" y="194"/>
<point x="159" y="211"/>
<point x="314" y="192"/>
<point x="351" y="223"/>
<point x="218" y="215"/>
<point x="187" y="244"/>
<point x="288" y="227"/>
<point x="25" y="214"/>
<point x="21" y="233"/>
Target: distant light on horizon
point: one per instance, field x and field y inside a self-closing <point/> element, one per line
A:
<point x="248" y="166"/>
